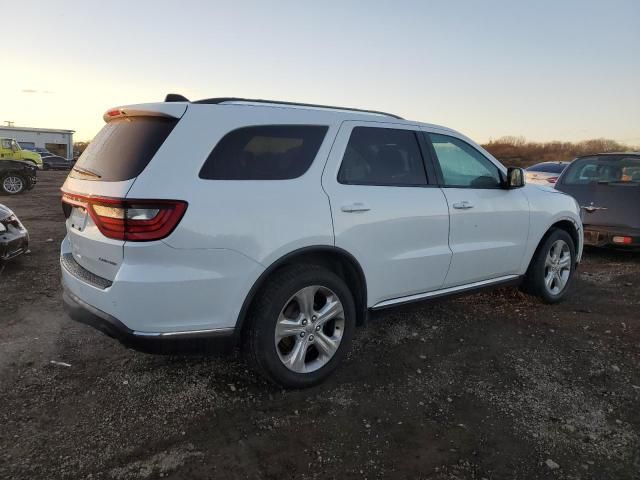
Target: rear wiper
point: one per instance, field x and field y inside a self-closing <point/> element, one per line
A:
<point x="86" y="171"/>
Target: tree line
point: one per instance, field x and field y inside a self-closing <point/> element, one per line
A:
<point x="517" y="151"/>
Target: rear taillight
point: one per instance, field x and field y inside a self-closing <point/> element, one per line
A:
<point x="622" y="240"/>
<point x="552" y="179"/>
<point x="125" y="219"/>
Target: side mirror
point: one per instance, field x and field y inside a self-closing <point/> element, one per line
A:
<point x="515" y="178"/>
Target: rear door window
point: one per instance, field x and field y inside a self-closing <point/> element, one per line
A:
<point x="266" y="152"/>
<point x="382" y="156"/>
<point x="123" y="148"/>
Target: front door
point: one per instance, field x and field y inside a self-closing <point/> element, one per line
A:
<point x="387" y="209"/>
<point x="489" y="224"/>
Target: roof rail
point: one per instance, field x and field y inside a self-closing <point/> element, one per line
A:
<point x="293" y="104"/>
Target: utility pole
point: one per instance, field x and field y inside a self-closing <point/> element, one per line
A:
<point x="9" y="123"/>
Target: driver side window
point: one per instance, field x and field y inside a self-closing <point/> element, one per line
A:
<point x="462" y="165"/>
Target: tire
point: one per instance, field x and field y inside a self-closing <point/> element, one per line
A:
<point x="549" y="276"/>
<point x="12" y="184"/>
<point x="307" y="350"/>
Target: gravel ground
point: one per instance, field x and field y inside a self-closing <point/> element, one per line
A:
<point x="494" y="385"/>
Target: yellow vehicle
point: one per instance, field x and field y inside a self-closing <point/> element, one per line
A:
<point x="10" y="150"/>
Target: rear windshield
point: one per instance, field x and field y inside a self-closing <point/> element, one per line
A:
<point x="267" y="152"/>
<point x="548" y="167"/>
<point x="614" y="170"/>
<point x="123" y="148"/>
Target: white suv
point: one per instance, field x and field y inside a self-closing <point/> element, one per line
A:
<point x="284" y="224"/>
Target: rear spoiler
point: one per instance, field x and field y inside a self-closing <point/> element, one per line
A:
<point x="168" y="110"/>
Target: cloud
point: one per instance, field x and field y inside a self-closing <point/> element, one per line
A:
<point x="31" y="90"/>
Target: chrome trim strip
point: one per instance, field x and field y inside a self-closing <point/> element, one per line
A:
<point x="209" y="332"/>
<point x="444" y="291"/>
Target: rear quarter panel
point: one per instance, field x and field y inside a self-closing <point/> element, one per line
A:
<point x="262" y="219"/>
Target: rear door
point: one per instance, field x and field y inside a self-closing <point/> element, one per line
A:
<point x="489" y="224"/>
<point x="387" y="210"/>
<point x="108" y="168"/>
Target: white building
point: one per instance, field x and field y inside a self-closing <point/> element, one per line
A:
<point x="56" y="141"/>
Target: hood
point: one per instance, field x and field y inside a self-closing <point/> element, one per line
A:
<point x="29" y="155"/>
<point x="544" y="188"/>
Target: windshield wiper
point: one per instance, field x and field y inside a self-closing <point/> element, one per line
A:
<point x="86" y="171"/>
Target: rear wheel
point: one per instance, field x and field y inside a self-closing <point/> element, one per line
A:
<point x="301" y="326"/>
<point x="12" y="184"/>
<point x="551" y="270"/>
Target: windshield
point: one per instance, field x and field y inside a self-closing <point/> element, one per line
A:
<point x="123" y="148"/>
<point x="604" y="169"/>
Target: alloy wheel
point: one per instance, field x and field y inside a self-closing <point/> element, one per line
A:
<point x="557" y="267"/>
<point x="12" y="184"/>
<point x="309" y="329"/>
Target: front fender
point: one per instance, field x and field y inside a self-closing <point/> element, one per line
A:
<point x="548" y="209"/>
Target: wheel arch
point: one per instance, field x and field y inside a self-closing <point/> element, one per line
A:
<point x="334" y="258"/>
<point x="566" y="224"/>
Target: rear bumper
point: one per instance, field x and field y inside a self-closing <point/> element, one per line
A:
<point x="82" y="312"/>
<point x="162" y="292"/>
<point x="602" y="236"/>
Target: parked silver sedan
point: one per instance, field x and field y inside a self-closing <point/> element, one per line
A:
<point x="545" y="173"/>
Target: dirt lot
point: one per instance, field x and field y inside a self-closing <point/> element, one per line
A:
<point x="490" y="386"/>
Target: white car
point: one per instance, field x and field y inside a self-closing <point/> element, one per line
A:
<point x="282" y="225"/>
<point x="545" y="173"/>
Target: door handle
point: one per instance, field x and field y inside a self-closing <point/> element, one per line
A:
<point x="464" y="205"/>
<point x="355" y="207"/>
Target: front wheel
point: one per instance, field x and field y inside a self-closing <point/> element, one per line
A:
<point x="12" y="184"/>
<point x="552" y="267"/>
<point x="301" y="326"/>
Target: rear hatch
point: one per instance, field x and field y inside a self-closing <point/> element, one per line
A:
<point x="607" y="189"/>
<point x="99" y="221"/>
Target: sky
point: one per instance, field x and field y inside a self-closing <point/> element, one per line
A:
<point x="546" y="70"/>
